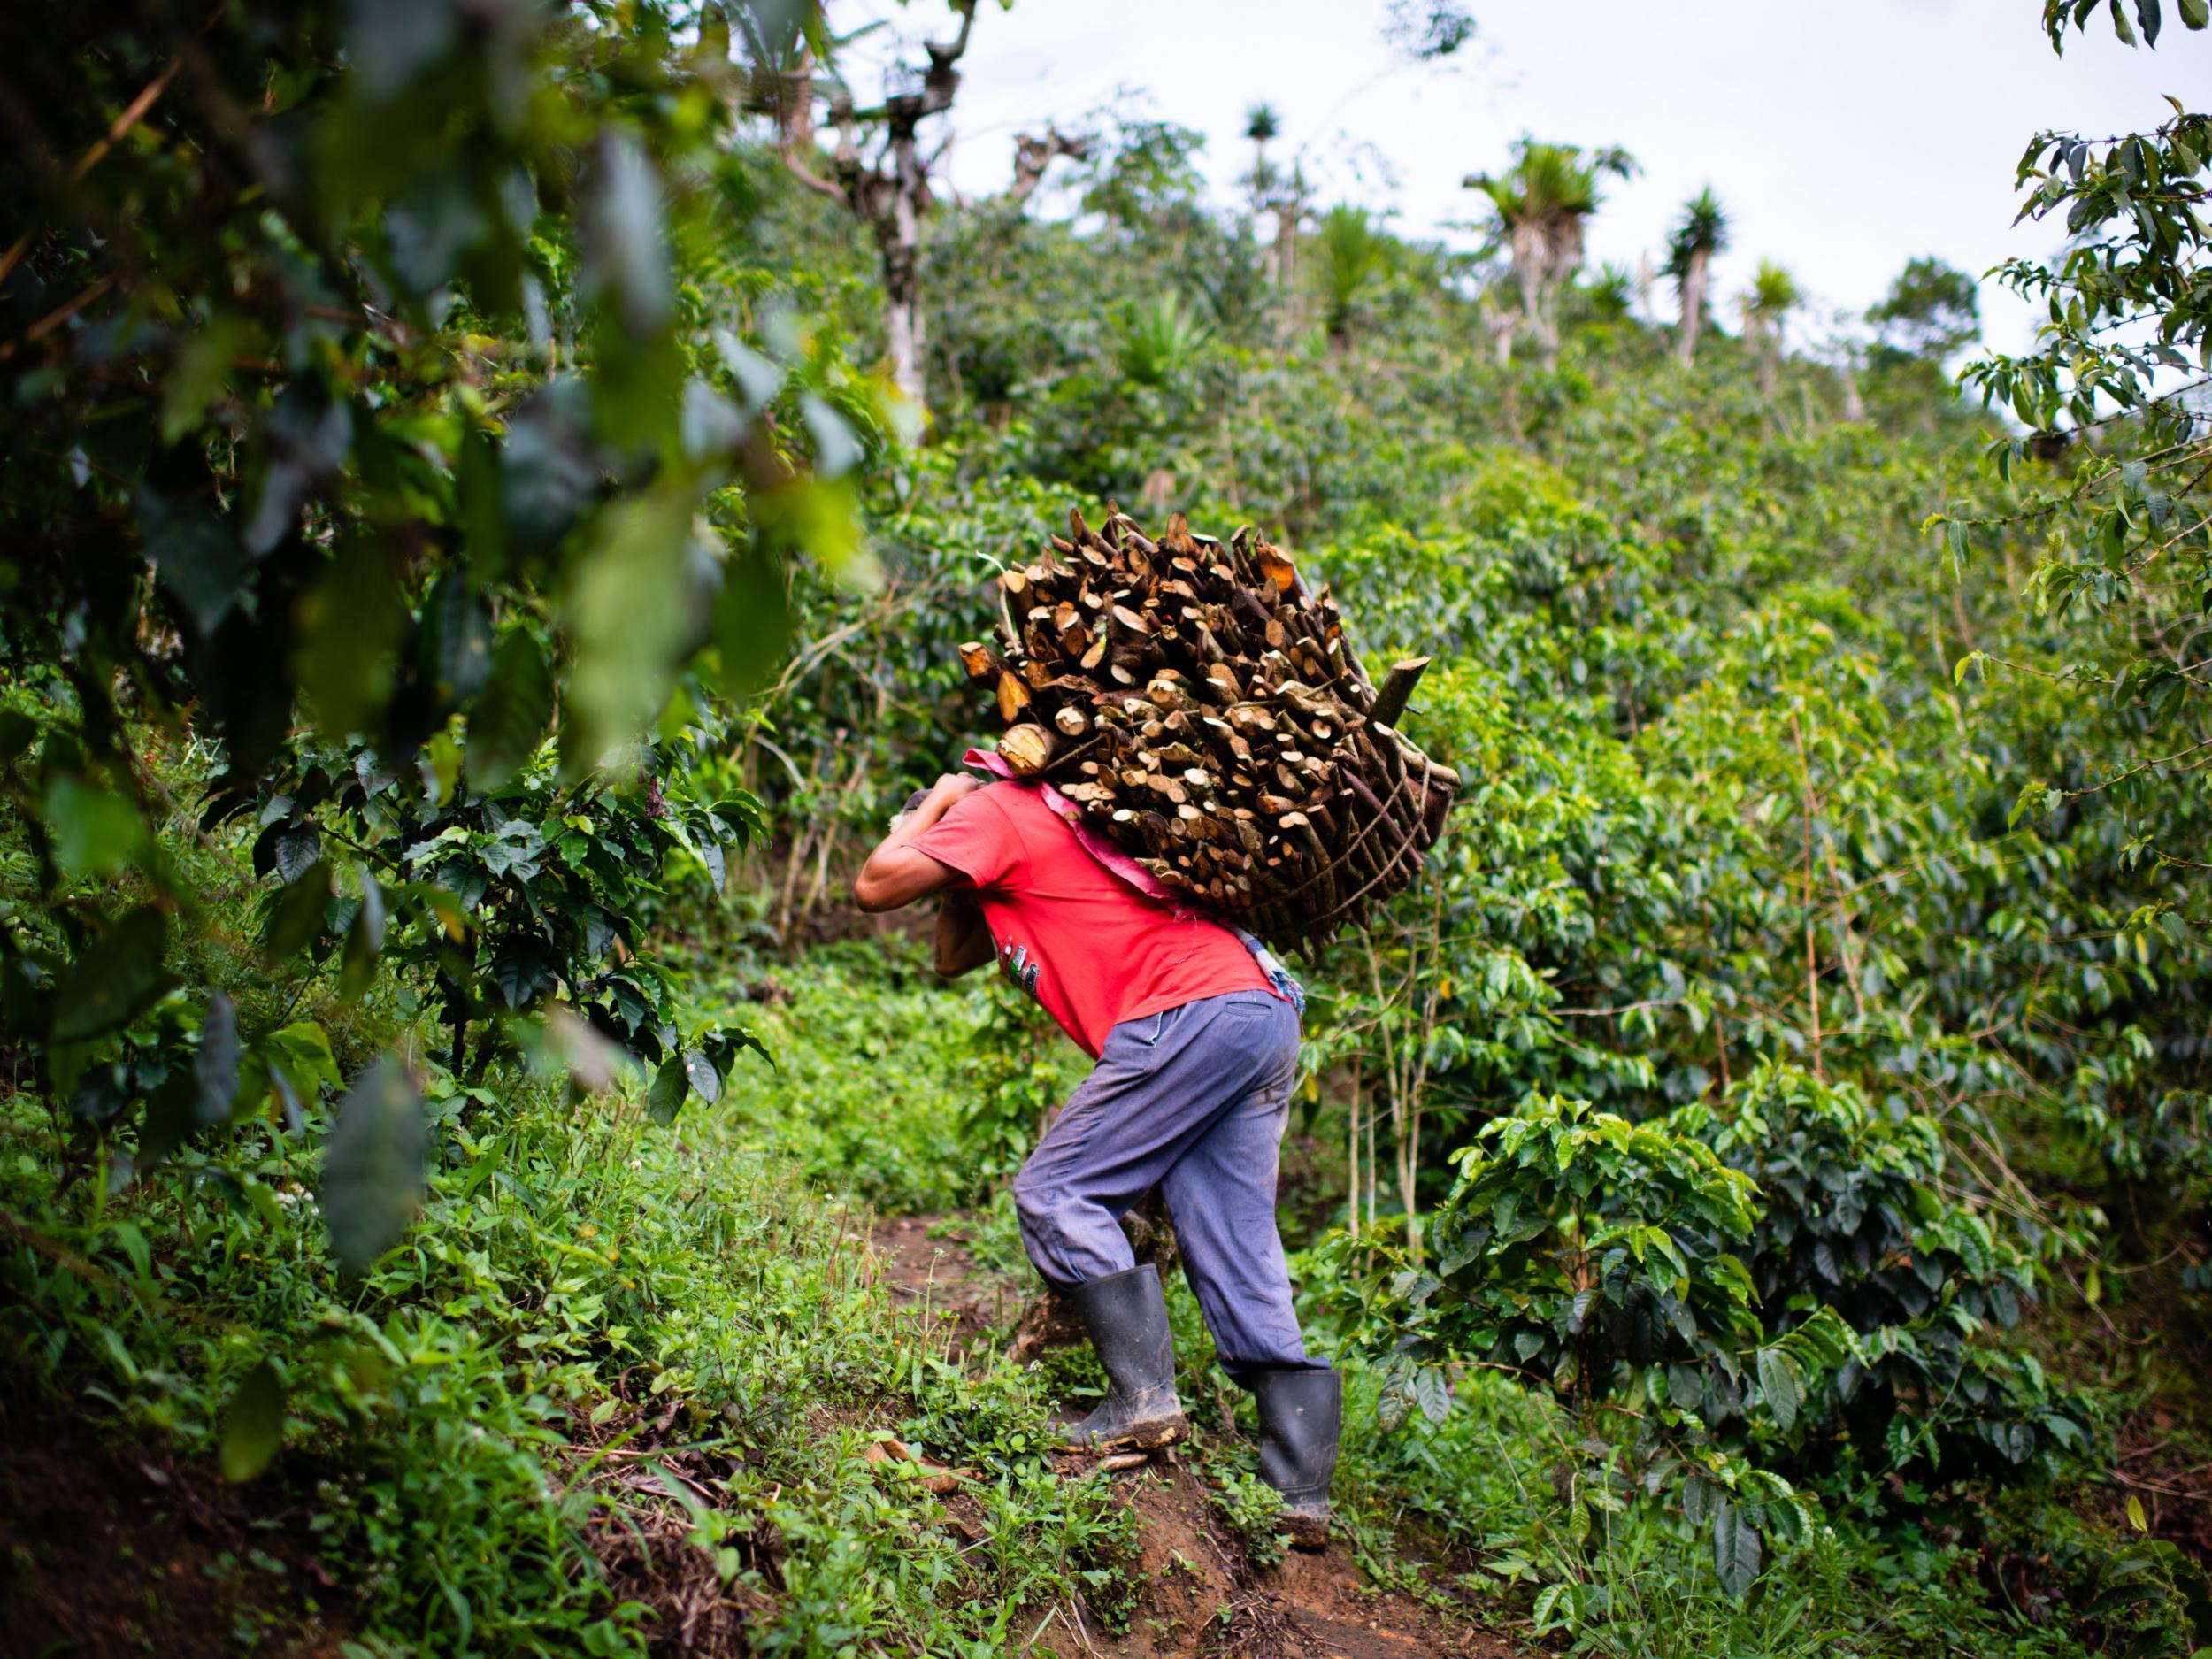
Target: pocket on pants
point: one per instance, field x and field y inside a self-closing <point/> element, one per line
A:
<point x="1147" y="1030"/>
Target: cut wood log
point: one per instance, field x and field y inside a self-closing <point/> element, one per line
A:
<point x="1203" y="708"/>
<point x="1397" y="688"/>
<point x="1026" y="748"/>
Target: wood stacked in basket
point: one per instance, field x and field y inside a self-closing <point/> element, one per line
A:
<point x="1205" y="710"/>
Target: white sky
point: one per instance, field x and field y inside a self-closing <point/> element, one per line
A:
<point x="1844" y="137"/>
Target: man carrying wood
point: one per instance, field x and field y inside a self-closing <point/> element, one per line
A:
<point x="1195" y="1037"/>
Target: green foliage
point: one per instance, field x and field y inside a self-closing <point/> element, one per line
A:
<point x="2106" y="393"/>
<point x="1774" y="294"/>
<point x="909" y="1095"/>
<point x="447" y="792"/>
<point x="1576" y="1243"/>
<point x="389" y="419"/>
<point x="1161" y="342"/>
<point x="1251" y="1509"/>
<point x="1426" y="30"/>
<point x="1931" y="311"/>
<point x="1703" y="228"/>
<point x="2057" y="14"/>
<point x="1549" y="182"/>
<point x="1855" y="1225"/>
<point x="1353" y="254"/>
<point x="1629" y="1266"/>
<point x="579" y="1268"/>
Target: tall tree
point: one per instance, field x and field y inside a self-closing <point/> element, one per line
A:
<point x="1353" y="253"/>
<point x="1771" y="298"/>
<point x="1540" y="204"/>
<point x="890" y="193"/>
<point x="1281" y="196"/>
<point x="1931" y="310"/>
<point x="1262" y="126"/>
<point x="1700" y="233"/>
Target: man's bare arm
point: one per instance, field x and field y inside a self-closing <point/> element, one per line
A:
<point x="964" y="943"/>
<point x="895" y="874"/>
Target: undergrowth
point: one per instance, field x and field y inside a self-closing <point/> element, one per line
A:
<point x="575" y="1264"/>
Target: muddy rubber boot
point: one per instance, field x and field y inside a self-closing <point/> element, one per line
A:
<point x="1126" y="1316"/>
<point x="1301" y="1417"/>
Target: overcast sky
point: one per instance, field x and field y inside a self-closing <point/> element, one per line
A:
<point x="1844" y="137"/>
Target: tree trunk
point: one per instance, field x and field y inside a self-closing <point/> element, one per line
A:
<point x="1561" y="252"/>
<point x="1286" y="216"/>
<point x="900" y="233"/>
<point x="1526" y="242"/>
<point x="1693" y="306"/>
<point x="794" y="117"/>
<point x="1854" y="405"/>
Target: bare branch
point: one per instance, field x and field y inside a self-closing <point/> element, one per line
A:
<point x="798" y="169"/>
<point x="1033" y="155"/>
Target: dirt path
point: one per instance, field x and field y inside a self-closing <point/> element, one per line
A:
<point x="1201" y="1594"/>
<point x="111" y="1553"/>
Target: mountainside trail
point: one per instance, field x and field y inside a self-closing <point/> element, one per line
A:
<point x="1201" y="1594"/>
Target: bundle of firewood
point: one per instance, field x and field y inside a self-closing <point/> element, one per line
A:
<point x="1207" y="713"/>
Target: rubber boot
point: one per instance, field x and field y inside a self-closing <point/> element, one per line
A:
<point x="1301" y="1417"/>
<point x="1126" y="1316"/>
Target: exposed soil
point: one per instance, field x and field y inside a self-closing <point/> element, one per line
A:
<point x="2158" y="1468"/>
<point x="1200" y="1595"/>
<point x="643" y="1542"/>
<point x="108" y="1549"/>
<point x="111" y="1552"/>
<point x="938" y="1277"/>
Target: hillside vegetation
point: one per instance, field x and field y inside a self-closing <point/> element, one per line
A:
<point x="488" y="543"/>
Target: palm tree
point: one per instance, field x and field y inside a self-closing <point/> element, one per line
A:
<point x="1284" y="198"/>
<point x="1773" y="296"/>
<point x="1702" y="233"/>
<point x="1261" y="125"/>
<point x="1540" y="202"/>
<point x="1160" y="341"/>
<point x="1352" y="251"/>
<point x="1611" y="294"/>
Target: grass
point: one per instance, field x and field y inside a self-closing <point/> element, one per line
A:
<point x="890" y="1085"/>
<point x="577" y="1271"/>
<point x="618" y="1370"/>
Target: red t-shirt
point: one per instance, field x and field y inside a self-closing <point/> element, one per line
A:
<point x="1076" y="937"/>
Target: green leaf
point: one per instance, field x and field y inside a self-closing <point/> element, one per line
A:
<point x="752" y="619"/>
<point x="92" y="832"/>
<point x="456" y="638"/>
<point x="350" y="626"/>
<point x="202" y="567"/>
<point x="296" y="919"/>
<point x="632" y="611"/>
<point x="1736" y="1549"/>
<point x="303" y="1051"/>
<point x="1686" y="1386"/>
<point x="665" y="1098"/>
<point x="365" y="939"/>
<point x="1545" y="1615"/>
<point x="704" y="1077"/>
<point x="118" y="977"/>
<point x="508" y="719"/>
<point x="253" y="1428"/>
<point x="1778" y="1381"/>
<point x="625" y="252"/>
<point x="2196" y="14"/>
<point x="1431" y="1395"/>
<point x="373" y="1169"/>
<point x="215" y="1066"/>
